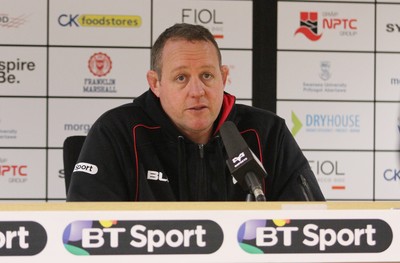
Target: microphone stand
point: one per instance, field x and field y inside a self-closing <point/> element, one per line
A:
<point x="250" y="197"/>
<point x="254" y="187"/>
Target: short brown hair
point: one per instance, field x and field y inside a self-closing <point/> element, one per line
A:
<point x="182" y="31"/>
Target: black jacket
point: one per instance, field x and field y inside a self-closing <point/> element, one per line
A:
<point x="135" y="153"/>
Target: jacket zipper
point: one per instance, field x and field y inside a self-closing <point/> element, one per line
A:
<point x="202" y="185"/>
<point x="201" y="150"/>
<point x="306" y="189"/>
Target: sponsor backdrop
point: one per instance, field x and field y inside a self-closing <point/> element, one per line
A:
<point x="338" y="89"/>
<point x="337" y="81"/>
<point x="63" y="63"/>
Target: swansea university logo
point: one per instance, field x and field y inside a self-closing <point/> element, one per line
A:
<point x="309" y="25"/>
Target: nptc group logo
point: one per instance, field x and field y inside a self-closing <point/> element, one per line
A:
<point x="309" y="25"/>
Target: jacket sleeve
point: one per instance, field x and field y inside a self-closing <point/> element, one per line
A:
<point x="293" y="178"/>
<point x="110" y="175"/>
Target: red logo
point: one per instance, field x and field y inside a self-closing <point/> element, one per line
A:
<point x="13" y="170"/>
<point x="309" y="25"/>
<point x="100" y="64"/>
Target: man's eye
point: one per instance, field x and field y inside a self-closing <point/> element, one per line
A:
<point x="207" y="76"/>
<point x="181" y="78"/>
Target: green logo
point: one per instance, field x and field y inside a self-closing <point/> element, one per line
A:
<point x="297" y="125"/>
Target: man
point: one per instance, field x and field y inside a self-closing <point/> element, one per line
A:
<point x="165" y="145"/>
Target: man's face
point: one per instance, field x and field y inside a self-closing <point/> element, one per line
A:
<point x="191" y="86"/>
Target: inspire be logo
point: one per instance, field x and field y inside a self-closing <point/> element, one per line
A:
<point x="315" y="236"/>
<point x="142" y="237"/>
<point x="10" y="68"/>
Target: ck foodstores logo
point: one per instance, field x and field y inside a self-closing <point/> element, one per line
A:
<point x="268" y="236"/>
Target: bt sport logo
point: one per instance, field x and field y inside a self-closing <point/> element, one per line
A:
<point x="112" y="237"/>
<point x="268" y="236"/>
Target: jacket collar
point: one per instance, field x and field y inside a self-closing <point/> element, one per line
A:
<point x="151" y="105"/>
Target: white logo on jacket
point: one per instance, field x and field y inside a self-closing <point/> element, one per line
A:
<point x="86" y="168"/>
<point x="156" y="176"/>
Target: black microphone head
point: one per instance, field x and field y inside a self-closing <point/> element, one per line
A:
<point x="241" y="160"/>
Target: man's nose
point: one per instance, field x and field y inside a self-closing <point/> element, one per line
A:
<point x="196" y="87"/>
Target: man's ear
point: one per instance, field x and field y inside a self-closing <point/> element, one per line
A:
<point x="152" y="80"/>
<point x="225" y="73"/>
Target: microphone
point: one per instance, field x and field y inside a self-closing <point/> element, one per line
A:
<point x="243" y="164"/>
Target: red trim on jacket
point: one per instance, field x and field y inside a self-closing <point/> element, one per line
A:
<point x="136" y="155"/>
<point x="227" y="105"/>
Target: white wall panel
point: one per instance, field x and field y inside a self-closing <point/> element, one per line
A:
<point x="23" y="22"/>
<point x="338" y="26"/>
<point x="22" y="122"/>
<point x="240" y="71"/>
<point x="227" y="20"/>
<point x="100" y="23"/>
<point x="387" y="126"/>
<point x="56" y="183"/>
<point x="343" y="175"/>
<point x="69" y="117"/>
<point x="388" y="76"/>
<point x="325" y="76"/>
<point x="23" y="173"/>
<point x="23" y="71"/>
<point x="387" y="175"/>
<point x="329" y="125"/>
<point x="388" y="28"/>
<point x="74" y="72"/>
